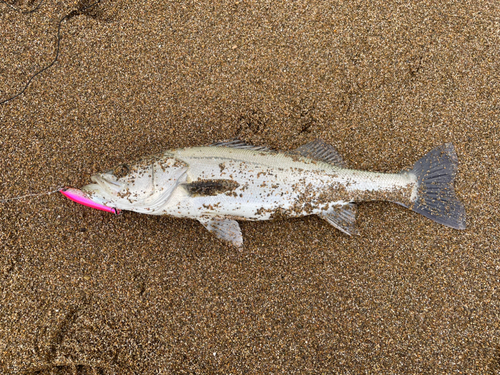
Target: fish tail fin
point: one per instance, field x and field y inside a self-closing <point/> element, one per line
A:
<point x="435" y="195"/>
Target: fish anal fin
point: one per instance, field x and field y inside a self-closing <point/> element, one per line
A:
<point x="224" y="229"/>
<point x="342" y="217"/>
<point x="322" y="151"/>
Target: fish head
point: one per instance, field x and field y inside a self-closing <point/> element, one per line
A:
<point x="141" y="187"/>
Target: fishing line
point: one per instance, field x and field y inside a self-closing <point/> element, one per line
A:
<point x="71" y="14"/>
<point x="29" y="195"/>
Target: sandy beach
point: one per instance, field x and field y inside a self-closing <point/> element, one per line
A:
<point x="87" y="292"/>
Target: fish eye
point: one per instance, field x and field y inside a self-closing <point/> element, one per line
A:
<point x="121" y="171"/>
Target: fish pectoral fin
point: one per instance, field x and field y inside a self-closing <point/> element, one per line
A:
<point x="342" y="217"/>
<point x="225" y="229"/>
<point x="321" y="151"/>
<point x="211" y="187"/>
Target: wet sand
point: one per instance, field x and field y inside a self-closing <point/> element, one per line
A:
<point x="86" y="292"/>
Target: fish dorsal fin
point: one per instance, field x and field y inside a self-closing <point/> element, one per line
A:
<point x="322" y="151"/>
<point x="225" y="229"/>
<point x="342" y="217"/>
<point x="236" y="143"/>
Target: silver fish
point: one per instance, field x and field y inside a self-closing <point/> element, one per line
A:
<point x="229" y="181"/>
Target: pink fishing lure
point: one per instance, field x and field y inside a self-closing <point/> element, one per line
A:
<point x="79" y="196"/>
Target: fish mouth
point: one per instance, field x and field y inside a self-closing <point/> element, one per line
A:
<point x="83" y="198"/>
<point x="111" y="187"/>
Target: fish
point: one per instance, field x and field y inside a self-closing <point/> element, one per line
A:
<point x="232" y="181"/>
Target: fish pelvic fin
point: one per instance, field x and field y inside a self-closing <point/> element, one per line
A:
<point x="434" y="196"/>
<point x="224" y="229"/>
<point x="342" y="217"/>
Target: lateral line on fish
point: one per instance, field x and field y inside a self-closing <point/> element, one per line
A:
<point x="29" y="196"/>
<point x="224" y="158"/>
